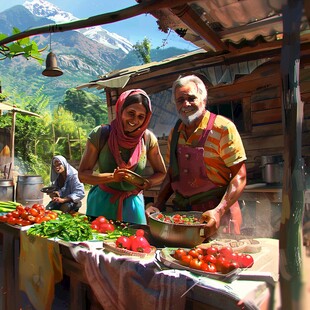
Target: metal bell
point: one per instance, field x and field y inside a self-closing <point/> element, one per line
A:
<point x="51" y="66"/>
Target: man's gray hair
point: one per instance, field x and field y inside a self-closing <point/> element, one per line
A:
<point x="183" y="80"/>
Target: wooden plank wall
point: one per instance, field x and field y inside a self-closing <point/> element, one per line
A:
<point x="260" y="93"/>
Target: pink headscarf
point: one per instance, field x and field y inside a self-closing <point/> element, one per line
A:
<point x="118" y="138"/>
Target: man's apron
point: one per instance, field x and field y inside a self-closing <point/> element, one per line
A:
<point x="194" y="190"/>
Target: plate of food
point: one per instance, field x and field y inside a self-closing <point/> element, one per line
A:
<point x="132" y="177"/>
<point x="167" y="257"/>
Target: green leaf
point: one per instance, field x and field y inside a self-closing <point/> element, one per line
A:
<point x="24" y="41"/>
<point x="3" y="36"/>
<point x="16" y="48"/>
<point x="15" y="30"/>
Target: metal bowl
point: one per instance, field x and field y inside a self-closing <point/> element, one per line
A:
<point x="176" y="235"/>
<point x="48" y="189"/>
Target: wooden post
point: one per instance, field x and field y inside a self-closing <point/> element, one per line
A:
<point x="80" y="143"/>
<point x="12" y="145"/>
<point x="69" y="146"/>
<point x="54" y="139"/>
<point x="293" y="186"/>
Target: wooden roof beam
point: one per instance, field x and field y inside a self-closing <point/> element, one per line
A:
<point x="107" y="18"/>
<point x="188" y="16"/>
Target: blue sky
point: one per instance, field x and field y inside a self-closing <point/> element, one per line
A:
<point x="134" y="29"/>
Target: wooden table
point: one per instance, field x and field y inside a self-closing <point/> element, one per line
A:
<point x="207" y="292"/>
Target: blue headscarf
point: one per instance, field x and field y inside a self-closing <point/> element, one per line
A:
<point x="68" y="168"/>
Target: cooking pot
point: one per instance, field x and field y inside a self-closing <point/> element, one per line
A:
<point x="271" y="159"/>
<point x="273" y="173"/>
<point x="177" y="235"/>
<point x="272" y="168"/>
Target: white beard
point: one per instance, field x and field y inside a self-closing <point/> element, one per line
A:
<point x="187" y="120"/>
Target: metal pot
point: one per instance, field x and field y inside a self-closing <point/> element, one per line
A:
<point x="177" y="235"/>
<point x="273" y="173"/>
<point x="271" y="159"/>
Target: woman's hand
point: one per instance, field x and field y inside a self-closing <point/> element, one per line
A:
<point x="59" y="200"/>
<point x="150" y="209"/>
<point x="54" y="194"/>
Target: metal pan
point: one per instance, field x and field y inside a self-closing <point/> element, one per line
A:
<point x="48" y="189"/>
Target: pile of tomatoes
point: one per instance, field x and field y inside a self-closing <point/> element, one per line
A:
<point x="213" y="259"/>
<point x="24" y="215"/>
<point x="135" y="243"/>
<point x="177" y="219"/>
<point x="102" y="225"/>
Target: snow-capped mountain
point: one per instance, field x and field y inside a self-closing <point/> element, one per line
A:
<point x="42" y="8"/>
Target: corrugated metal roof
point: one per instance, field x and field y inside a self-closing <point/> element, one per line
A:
<point x="208" y="23"/>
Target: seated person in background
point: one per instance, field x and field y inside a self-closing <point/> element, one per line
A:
<point x="69" y="190"/>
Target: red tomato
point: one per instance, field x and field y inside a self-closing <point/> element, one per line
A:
<point x="199" y="250"/>
<point x="101" y="220"/>
<point x="176" y="218"/>
<point x="15" y="214"/>
<point x="212" y="267"/>
<point x="246" y="261"/>
<point x="24" y="215"/>
<point x="219" y="263"/>
<point x="204" y="267"/>
<point x="123" y="242"/>
<point x="31" y="218"/>
<point x="193" y="253"/>
<point x="140" y="244"/>
<point x="11" y="220"/>
<point x="26" y="222"/>
<point x="20" y="209"/>
<point x="234" y="257"/>
<point x="212" y="250"/>
<point x="34" y="212"/>
<point x="94" y="226"/>
<point x="195" y="263"/>
<point x="19" y="221"/>
<point x="140" y="233"/>
<point x="3" y="218"/>
<point x="226" y="252"/>
<point x="209" y="258"/>
<point x="38" y="219"/>
<point x="186" y="259"/>
<point x="225" y="268"/>
<point x="179" y="253"/>
<point x="43" y="219"/>
<point x="106" y="227"/>
<point x="234" y="265"/>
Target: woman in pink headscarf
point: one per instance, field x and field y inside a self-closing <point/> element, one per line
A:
<point x="125" y="144"/>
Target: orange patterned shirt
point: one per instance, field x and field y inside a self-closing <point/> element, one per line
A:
<point x="223" y="147"/>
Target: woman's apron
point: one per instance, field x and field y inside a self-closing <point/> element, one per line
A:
<point x="194" y="190"/>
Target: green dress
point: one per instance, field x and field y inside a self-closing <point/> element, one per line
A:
<point x="100" y="202"/>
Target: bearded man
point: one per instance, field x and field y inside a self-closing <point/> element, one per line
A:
<point x="206" y="160"/>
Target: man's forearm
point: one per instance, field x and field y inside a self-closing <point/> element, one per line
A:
<point x="233" y="192"/>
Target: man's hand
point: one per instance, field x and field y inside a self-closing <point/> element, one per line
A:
<point x="212" y="219"/>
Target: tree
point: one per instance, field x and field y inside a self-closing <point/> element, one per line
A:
<point x="143" y="50"/>
<point x="88" y="109"/>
